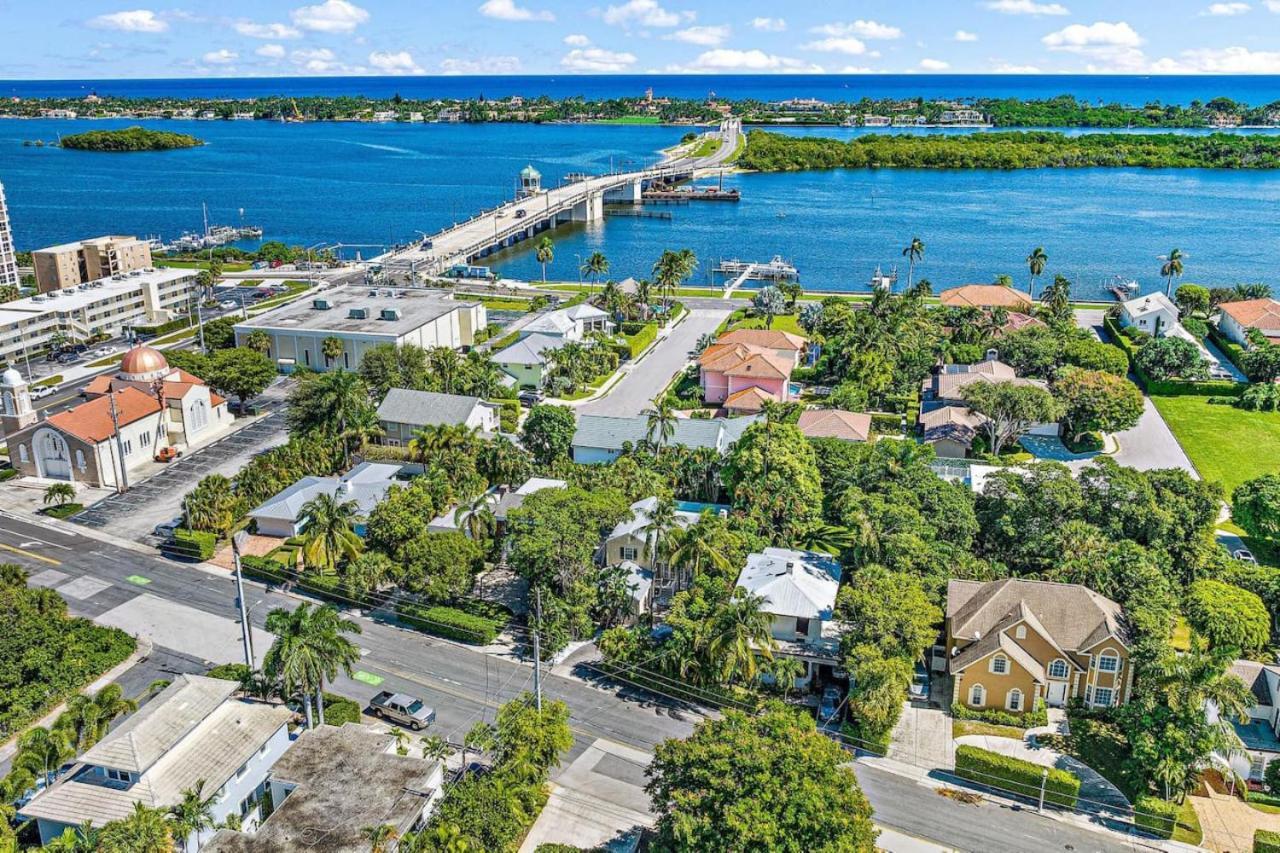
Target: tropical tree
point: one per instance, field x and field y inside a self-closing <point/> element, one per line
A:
<point x="331" y="349"/>
<point x="42" y="751"/>
<point x="1255" y="506"/>
<point x="595" y="266"/>
<point x="192" y="814"/>
<point x="671" y="269"/>
<point x="660" y="422"/>
<point x="697" y="548"/>
<point x="1056" y="300"/>
<point x="88" y="718"/>
<point x="1171" y="268"/>
<point x="327" y="403"/>
<point x="476" y="519"/>
<point x="1009" y="410"/>
<point x="60" y="494"/>
<point x="826" y="538"/>
<point x="784" y="671"/>
<point x="793" y="291"/>
<point x="258" y="341"/>
<point x="329" y="628"/>
<point x="436" y="748"/>
<point x="82" y="839"/>
<point x="329" y="535"/>
<point x="211" y="506"/>
<point x="545" y="253"/>
<point x="309" y="647"/>
<point x="914" y="253"/>
<point x="770" y="301"/>
<point x="446" y="364"/>
<point x="1035" y="263"/>
<point x="145" y="830"/>
<point x="644" y="297"/>
<point x="743" y="635"/>
<point x="440" y="444"/>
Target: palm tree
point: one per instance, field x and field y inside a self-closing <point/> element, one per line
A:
<point x="596" y="265"/>
<point x="785" y="671"/>
<point x="328" y="528"/>
<point x="438" y="444"/>
<point x="743" y="631"/>
<point x="328" y="400"/>
<point x="1171" y="268"/>
<point x="826" y="538"/>
<point x="545" y="253"/>
<point x="211" y="505"/>
<point x="660" y="421"/>
<point x="1035" y="263"/>
<point x="476" y="518"/>
<point x="661" y="522"/>
<point x="363" y="427"/>
<point x="770" y="301"/>
<point x="914" y="253"/>
<point x="436" y="748"/>
<point x="328" y="628"/>
<point x="82" y="839"/>
<point x="644" y="296"/>
<point x="88" y="718"/>
<point x="331" y="348"/>
<point x="258" y="341"/>
<point x="447" y="364"/>
<point x="483" y="377"/>
<point x="192" y="814"/>
<point x="611" y="297"/>
<point x="696" y="548"/>
<point x="670" y="270"/>
<point x="293" y="660"/>
<point x="381" y="838"/>
<point x="145" y="830"/>
<point x="42" y="751"/>
<point x="60" y="494"/>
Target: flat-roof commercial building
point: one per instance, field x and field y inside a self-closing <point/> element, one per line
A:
<point x="363" y="318"/>
<point x="8" y="259"/>
<point x="88" y="260"/>
<point x="141" y="297"/>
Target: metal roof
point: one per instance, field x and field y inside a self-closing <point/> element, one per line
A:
<point x="607" y="432"/>
<point x="366" y="484"/>
<point x="528" y="350"/>
<point x="793" y="583"/>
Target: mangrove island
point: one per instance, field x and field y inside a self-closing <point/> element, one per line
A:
<point x="130" y="139"/>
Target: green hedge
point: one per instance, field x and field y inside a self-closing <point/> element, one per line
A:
<point x="340" y="709"/>
<point x="1156" y="816"/>
<point x="637" y="342"/>
<point x="1038" y="717"/>
<point x="450" y="622"/>
<point x="1232" y="350"/>
<point x="1017" y="776"/>
<point x="508" y="415"/>
<point x="1266" y="841"/>
<point x="164" y="328"/>
<point x="1260" y="797"/>
<point x="1170" y="387"/>
<point x="328" y="588"/>
<point x="196" y="544"/>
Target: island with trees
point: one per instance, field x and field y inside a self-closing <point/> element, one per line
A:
<point x="130" y="139"/>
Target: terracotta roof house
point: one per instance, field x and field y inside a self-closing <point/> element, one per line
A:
<point x="835" y="423"/>
<point x="985" y="296"/>
<point x="950" y="430"/>
<point x="1011" y="644"/>
<point x="749" y="358"/>
<point x="1237" y="318"/>
<point x="782" y="343"/>
<point x="946" y="387"/>
<point x="1016" y="321"/>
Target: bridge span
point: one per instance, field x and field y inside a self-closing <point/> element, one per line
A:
<point x="539" y="210"/>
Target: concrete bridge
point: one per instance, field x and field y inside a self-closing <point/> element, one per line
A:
<point x="537" y="211"/>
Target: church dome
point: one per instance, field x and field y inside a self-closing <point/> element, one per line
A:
<point x="142" y="364"/>
<point x="11" y="378"/>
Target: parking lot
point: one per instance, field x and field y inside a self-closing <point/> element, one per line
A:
<point x="134" y="514"/>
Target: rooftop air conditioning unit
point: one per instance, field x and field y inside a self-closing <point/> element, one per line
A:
<point x="321" y="304"/>
<point x="391" y="313"/>
<point x="373" y="293"/>
<point x="358" y="314"/>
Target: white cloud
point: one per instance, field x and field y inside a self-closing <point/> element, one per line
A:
<point x="266" y="31"/>
<point x="861" y="29"/>
<point x="483" y="65"/>
<point x="271" y="51"/>
<point x="934" y="65"/>
<point x="726" y="59"/>
<point x="220" y="57"/>
<point x="1027" y="7"/>
<point x="965" y="35"/>
<point x="646" y="13"/>
<point x="707" y="36"/>
<point x="317" y="60"/>
<point x="847" y="45"/>
<point x="135" y="21"/>
<point x="1100" y="34"/>
<point x="1226" y="10"/>
<point x="597" y="59"/>
<point x="400" y="62"/>
<point x="577" y="40"/>
<point x="507" y="10"/>
<point x="1229" y="60"/>
<point x="856" y="69"/>
<point x="777" y="25"/>
<point x="1273" y="5"/>
<point x="331" y="16"/>
<point x="1006" y="68"/>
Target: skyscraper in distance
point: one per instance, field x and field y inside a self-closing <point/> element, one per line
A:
<point x="8" y="258"/>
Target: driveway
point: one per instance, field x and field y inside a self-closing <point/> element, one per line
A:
<point x="1151" y="444"/>
<point x="1096" y="793"/>
<point x="645" y="379"/>
<point x="1229" y="824"/>
<point x="923" y="737"/>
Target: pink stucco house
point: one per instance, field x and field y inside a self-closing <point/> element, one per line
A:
<point x="746" y="368"/>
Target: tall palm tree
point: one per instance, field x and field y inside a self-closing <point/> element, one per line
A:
<point x="662" y="520"/>
<point x="328" y="629"/>
<point x="437" y="444"/>
<point x="1171" y="269"/>
<point x="447" y="364"/>
<point x="545" y="253"/>
<point x="914" y="253"/>
<point x="483" y="377"/>
<point x="670" y="270"/>
<point x="363" y="428"/>
<point x="826" y="538"/>
<point x="60" y="494"/>
<point x="293" y="660"/>
<point x="696" y="549"/>
<point x="327" y="403"/>
<point x="331" y="349"/>
<point x="42" y="751"/>
<point x="611" y="296"/>
<point x="192" y="814"/>
<point x="1035" y="263"/>
<point x="476" y="518"/>
<point x="329" y="535"/>
<point x="381" y="838"/>
<point x="596" y="265"/>
<point x="145" y="830"/>
<point x="88" y="718"/>
<point x="660" y="422"/>
<point x="743" y="631"/>
<point x="644" y="296"/>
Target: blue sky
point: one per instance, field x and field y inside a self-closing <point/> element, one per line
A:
<point x="135" y="38"/>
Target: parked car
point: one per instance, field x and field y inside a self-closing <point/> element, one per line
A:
<point x="107" y="350"/>
<point x="919" y="689"/>
<point x="521" y="213"/>
<point x="531" y="398"/>
<point x="829" y="707"/>
<point x="68" y="358"/>
<point x="403" y="709"/>
<point x="165" y="528"/>
<point x="78" y="349"/>
<point x="261" y="294"/>
<point x="1244" y="555"/>
<point x="228" y="304"/>
<point x="167" y="454"/>
<point x="39" y="392"/>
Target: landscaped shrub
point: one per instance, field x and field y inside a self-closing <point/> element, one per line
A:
<point x="1038" y="717"/>
<point x="1017" y="776"/>
<point x="451" y="623"/>
<point x="1157" y="816"/>
<point x="1261" y="798"/>
<point x="508" y="415"/>
<point x="229" y="672"/>
<point x="340" y="709"/>
<point x="195" y="544"/>
<point x="641" y="338"/>
<point x="1266" y="841"/>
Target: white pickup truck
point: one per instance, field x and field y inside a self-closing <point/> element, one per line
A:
<point x="403" y="709"/>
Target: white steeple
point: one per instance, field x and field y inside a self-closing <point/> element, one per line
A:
<point x="16" y="411"/>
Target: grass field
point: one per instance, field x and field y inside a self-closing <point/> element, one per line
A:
<point x="706" y="147"/>
<point x="1226" y="444"/>
<point x="499" y="304"/>
<point x="228" y="266"/>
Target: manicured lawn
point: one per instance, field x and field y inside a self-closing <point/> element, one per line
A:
<point x="496" y="304"/>
<point x="48" y="380"/>
<point x="1103" y="747"/>
<point x="783" y="323"/>
<point x="227" y="266"/>
<point x="1226" y="444"/>
<point x="1188" y="829"/>
<point x="64" y="511"/>
<point x="960" y="728"/>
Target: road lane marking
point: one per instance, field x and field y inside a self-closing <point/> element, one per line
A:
<point x="367" y="678"/>
<point x="30" y="554"/>
<point x="138" y="579"/>
<point x="43" y="542"/>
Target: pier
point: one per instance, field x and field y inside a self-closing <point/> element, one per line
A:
<point x="743" y="271"/>
<point x="536" y="209"/>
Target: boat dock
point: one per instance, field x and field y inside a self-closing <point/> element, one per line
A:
<point x="743" y="271"/>
<point x="660" y="195"/>
<point x="632" y="213"/>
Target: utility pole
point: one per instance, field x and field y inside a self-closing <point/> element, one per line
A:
<point x="200" y="325"/>
<point x="246" y="633"/>
<point x="123" y="485"/>
<point x="537" y="648"/>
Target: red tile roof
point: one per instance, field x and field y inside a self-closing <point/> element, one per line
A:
<point x="985" y="296"/>
<point x="835" y="423"/>
<point x="91" y="421"/>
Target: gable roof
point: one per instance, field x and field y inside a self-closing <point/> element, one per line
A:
<point x="959" y="423"/>
<point x="1261" y="314"/>
<point x="751" y="399"/>
<point x="775" y="339"/>
<point x="1149" y="304"/>
<point x="91" y="421"/>
<point x="793" y="583"/>
<point x="426" y="408"/>
<point x="1254" y="676"/>
<point x="556" y="323"/>
<point x="366" y="484"/>
<point x="608" y="432"/>
<point x="950" y="384"/>
<point x="985" y="296"/>
<point x="584" y="311"/>
<point x="835" y="423"/>
<point x="1074" y="616"/>
<point x="528" y="350"/>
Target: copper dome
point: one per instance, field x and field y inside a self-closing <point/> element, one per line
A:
<point x="143" y="362"/>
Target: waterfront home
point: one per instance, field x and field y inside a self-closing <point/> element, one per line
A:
<point x="366" y="484"/>
<point x="529" y="359"/>
<point x="1011" y="644"/>
<point x="1237" y="319"/>
<point x="600" y="439"/>
<point x="745" y="368"/>
<point x="835" y="423"/>
<point x="1157" y="315"/>
<point x="986" y="296"/>
<point x="404" y="411"/>
<point x="331" y="786"/>
<point x="1259" y="736"/>
<point x="946" y="386"/>
<point x="798" y="589"/>
<point x="573" y="323"/>
<point x="194" y="730"/>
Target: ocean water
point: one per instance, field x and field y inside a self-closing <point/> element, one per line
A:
<point x="368" y="185"/>
<point x="1128" y="89"/>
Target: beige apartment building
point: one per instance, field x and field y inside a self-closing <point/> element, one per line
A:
<point x="89" y="260"/>
<point x="8" y="260"/>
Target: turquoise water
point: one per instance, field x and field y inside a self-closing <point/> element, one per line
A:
<point x="380" y="184"/>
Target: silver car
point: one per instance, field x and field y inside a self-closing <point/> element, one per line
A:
<point x="403" y="709"/>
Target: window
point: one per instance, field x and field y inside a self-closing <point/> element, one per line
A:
<point x="306" y="356"/>
<point x="1102" y="697"/>
<point x="22" y="453"/>
<point x="1000" y="665"/>
<point x="977" y="695"/>
<point x="1020" y="632"/>
<point x="1013" y="701"/>
<point x="80" y="459"/>
<point x="628" y="553"/>
<point x="128" y="447"/>
<point x="118" y="775"/>
<point x="262" y="750"/>
<point x="247" y="805"/>
<point x="243" y="769"/>
<point x="1058" y="669"/>
<point x="1108" y="663"/>
<point x="802" y="627"/>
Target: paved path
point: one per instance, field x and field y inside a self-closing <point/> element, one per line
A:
<point x="1151" y="444"/>
<point x="1229" y="824"/>
<point x="636" y="390"/>
<point x="922" y="737"/>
